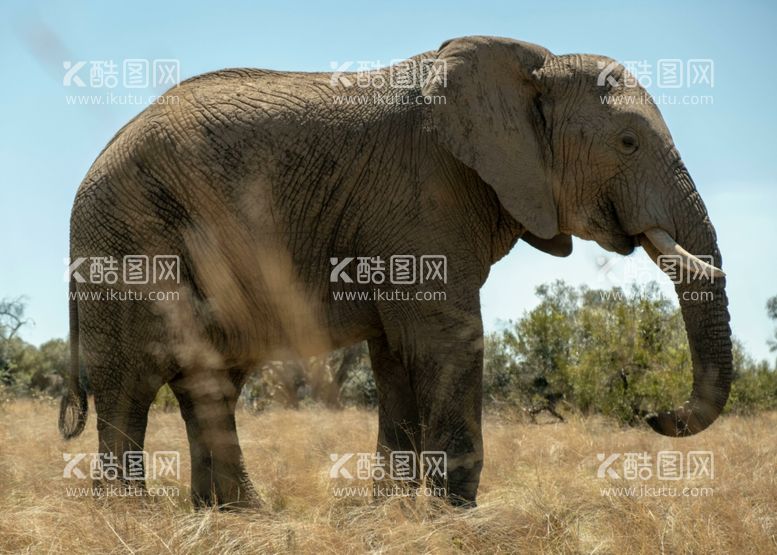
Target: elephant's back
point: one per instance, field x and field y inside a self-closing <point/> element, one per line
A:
<point x="214" y="139"/>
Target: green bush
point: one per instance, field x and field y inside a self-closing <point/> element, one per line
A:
<point x="621" y="354"/>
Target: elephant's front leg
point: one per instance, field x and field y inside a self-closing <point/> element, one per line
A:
<point x="444" y="353"/>
<point x="398" y="420"/>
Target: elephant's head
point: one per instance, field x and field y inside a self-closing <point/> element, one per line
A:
<point x="570" y="150"/>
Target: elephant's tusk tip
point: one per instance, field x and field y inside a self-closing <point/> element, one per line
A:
<point x="658" y="242"/>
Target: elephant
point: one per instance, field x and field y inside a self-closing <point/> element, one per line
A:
<point x="262" y="183"/>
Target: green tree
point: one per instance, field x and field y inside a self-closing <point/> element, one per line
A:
<point x="11" y="321"/>
<point x="53" y="365"/>
<point x="771" y="310"/>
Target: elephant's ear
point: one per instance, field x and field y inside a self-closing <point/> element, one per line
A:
<point x="492" y="119"/>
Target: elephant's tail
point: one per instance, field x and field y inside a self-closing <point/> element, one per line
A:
<point x="72" y="411"/>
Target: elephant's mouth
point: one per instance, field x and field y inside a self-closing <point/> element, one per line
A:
<point x="619" y="242"/>
<point x="613" y="236"/>
<point x="626" y="244"/>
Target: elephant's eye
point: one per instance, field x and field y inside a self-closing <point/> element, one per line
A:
<point x="628" y="142"/>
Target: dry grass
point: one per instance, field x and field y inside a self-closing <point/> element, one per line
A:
<point x="539" y="493"/>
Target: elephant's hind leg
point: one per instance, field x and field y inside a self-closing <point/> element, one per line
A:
<point x="122" y="416"/>
<point x="207" y="400"/>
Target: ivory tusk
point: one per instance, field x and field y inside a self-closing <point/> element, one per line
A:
<point x="666" y="245"/>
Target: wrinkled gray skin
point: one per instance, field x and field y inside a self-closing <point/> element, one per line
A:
<point x="256" y="179"/>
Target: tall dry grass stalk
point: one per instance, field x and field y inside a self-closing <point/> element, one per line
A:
<point x="539" y="492"/>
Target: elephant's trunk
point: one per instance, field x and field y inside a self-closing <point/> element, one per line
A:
<point x="704" y="306"/>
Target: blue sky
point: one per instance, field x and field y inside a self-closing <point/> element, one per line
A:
<point x="47" y="145"/>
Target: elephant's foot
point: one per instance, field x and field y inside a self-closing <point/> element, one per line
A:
<point x="220" y="483"/>
<point x="437" y="474"/>
<point x="462" y="482"/>
<point x="106" y="488"/>
<point x="230" y="498"/>
<point x="459" y="488"/>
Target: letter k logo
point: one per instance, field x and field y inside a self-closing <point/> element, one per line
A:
<point x="338" y="272"/>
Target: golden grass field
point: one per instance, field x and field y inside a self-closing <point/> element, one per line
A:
<point x="539" y="492"/>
